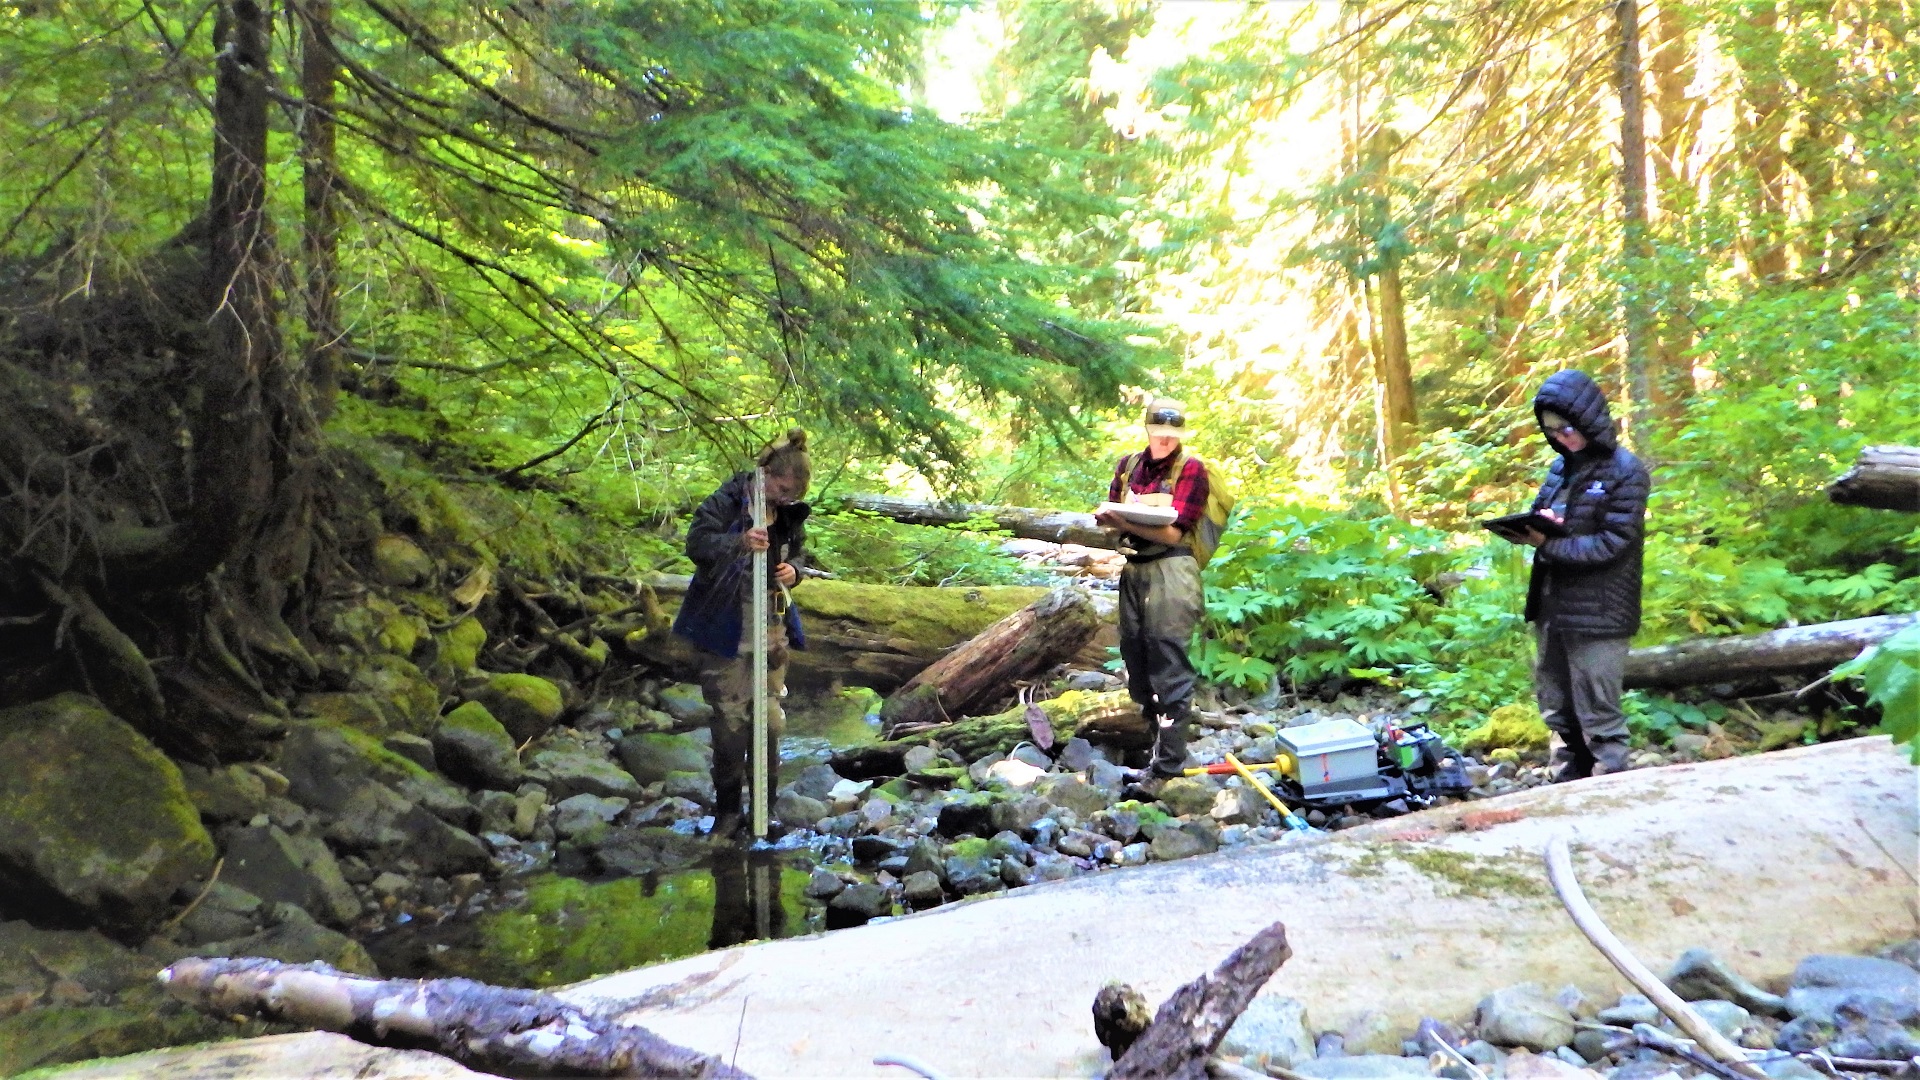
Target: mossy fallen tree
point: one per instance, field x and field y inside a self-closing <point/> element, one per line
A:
<point x="857" y="634"/>
<point x="1110" y="717"/>
<point x="1021" y="646"/>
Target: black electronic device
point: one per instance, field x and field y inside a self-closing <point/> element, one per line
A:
<point x="1514" y="526"/>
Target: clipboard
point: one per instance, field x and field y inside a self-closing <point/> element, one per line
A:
<point x="1514" y="526"/>
<point x="1141" y="513"/>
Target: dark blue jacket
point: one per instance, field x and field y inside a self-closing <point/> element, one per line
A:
<point x="1589" y="582"/>
<point x="723" y="571"/>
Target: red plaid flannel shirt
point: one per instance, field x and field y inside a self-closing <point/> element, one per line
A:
<point x="1150" y="477"/>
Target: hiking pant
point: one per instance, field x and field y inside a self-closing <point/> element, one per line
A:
<point x="1160" y="606"/>
<point x="1576" y="679"/>
<point x="728" y="686"/>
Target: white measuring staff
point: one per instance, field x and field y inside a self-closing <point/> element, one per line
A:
<point x="759" y="637"/>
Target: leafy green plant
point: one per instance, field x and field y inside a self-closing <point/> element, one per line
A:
<point x="859" y="545"/>
<point x="1890" y="672"/>
<point x="1655" y="717"/>
<point x="1310" y="594"/>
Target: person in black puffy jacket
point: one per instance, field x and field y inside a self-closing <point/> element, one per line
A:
<point x="1584" y="595"/>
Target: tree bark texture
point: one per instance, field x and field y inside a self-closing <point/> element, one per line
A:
<point x="1884" y="477"/>
<point x="1761" y="127"/>
<point x="1633" y="203"/>
<point x="319" y="79"/>
<point x="1775" y="652"/>
<point x="489" y="1027"/>
<point x="1194" y="1020"/>
<point x="1023" y="645"/>
<point x="1673" y="195"/>
<point x="1057" y="526"/>
<point x="1109" y="717"/>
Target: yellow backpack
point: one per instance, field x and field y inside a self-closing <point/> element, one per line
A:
<point x="1205" y="538"/>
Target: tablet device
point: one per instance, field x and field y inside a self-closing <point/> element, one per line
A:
<point x="1514" y="526"/>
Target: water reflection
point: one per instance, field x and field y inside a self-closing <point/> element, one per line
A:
<point x="563" y="929"/>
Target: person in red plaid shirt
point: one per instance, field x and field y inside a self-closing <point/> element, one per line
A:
<point x="1160" y="596"/>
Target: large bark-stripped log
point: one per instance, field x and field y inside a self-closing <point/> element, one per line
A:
<point x="984" y="669"/>
<point x="1775" y="652"/>
<point x="1058" y="526"/>
<point x="488" y="1027"/>
<point x="879" y="636"/>
<point x="1194" y="1020"/>
<point x="1884" y="477"/>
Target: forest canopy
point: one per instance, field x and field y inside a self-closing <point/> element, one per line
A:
<point x="602" y="250"/>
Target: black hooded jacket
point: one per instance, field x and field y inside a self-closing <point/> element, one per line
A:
<point x="1589" y="582"/>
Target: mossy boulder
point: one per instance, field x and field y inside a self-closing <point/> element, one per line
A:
<point x="526" y="705"/>
<point x="1516" y="726"/>
<point x="475" y="749"/>
<point x="650" y="757"/>
<point x="69" y="772"/>
<point x="411" y="702"/>
<point x="400" y="562"/>
<point x="459" y="645"/>
<point x="230" y="793"/>
<point x="327" y="766"/>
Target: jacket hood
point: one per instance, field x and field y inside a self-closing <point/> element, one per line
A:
<point x="1574" y="395"/>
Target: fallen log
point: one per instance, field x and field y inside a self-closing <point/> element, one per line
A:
<point x="1109" y="717"/>
<point x="1194" y="1020"/>
<point x="857" y="635"/>
<point x="492" y="1028"/>
<point x="1794" y="650"/>
<point x="1884" y="477"/>
<point x="1058" y="526"/>
<point x="1025" y="644"/>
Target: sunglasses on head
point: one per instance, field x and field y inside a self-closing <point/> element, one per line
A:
<point x="1169" y="417"/>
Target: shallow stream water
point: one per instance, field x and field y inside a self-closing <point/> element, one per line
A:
<point x="548" y="929"/>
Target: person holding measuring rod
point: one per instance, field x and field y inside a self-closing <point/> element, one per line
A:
<point x="756" y="517"/>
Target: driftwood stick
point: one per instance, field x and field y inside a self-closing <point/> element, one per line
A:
<point x="1191" y="1024"/>
<point x="489" y="1027"/>
<point x="1560" y="872"/>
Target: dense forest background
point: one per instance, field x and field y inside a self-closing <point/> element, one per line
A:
<point x="578" y="260"/>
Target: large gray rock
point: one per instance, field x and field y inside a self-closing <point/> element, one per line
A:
<point x="1701" y="976"/>
<point x="1273" y="1028"/>
<point x="1188" y="795"/>
<point x="794" y="808"/>
<point x="1237" y="806"/>
<point x="1524" y="1015"/>
<point x="378" y="822"/>
<point x="922" y="888"/>
<point x="697" y="787"/>
<point x="1191" y="838"/>
<point x="1881" y="989"/>
<point x="1630" y="1010"/>
<point x="1017" y="815"/>
<point x="581" y="812"/>
<point x="475" y="749"/>
<point x="293" y="937"/>
<point x="566" y="773"/>
<point x="815" y="781"/>
<point x="327" y="766"/>
<point x="863" y="900"/>
<point x="223" y="913"/>
<point x="1722" y="1016"/>
<point x="278" y="868"/>
<point x="71" y="776"/>
<point x="686" y="704"/>
<point x="231" y="793"/>
<point x="1072" y="793"/>
<point x="651" y="757"/>
<point x="972" y="871"/>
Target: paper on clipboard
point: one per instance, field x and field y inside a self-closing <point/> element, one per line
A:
<point x="1140" y="513"/>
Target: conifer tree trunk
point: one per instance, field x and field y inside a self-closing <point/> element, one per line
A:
<point x="1761" y="124"/>
<point x="1635" y="246"/>
<point x="319" y="77"/>
<point x="1673" y="196"/>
